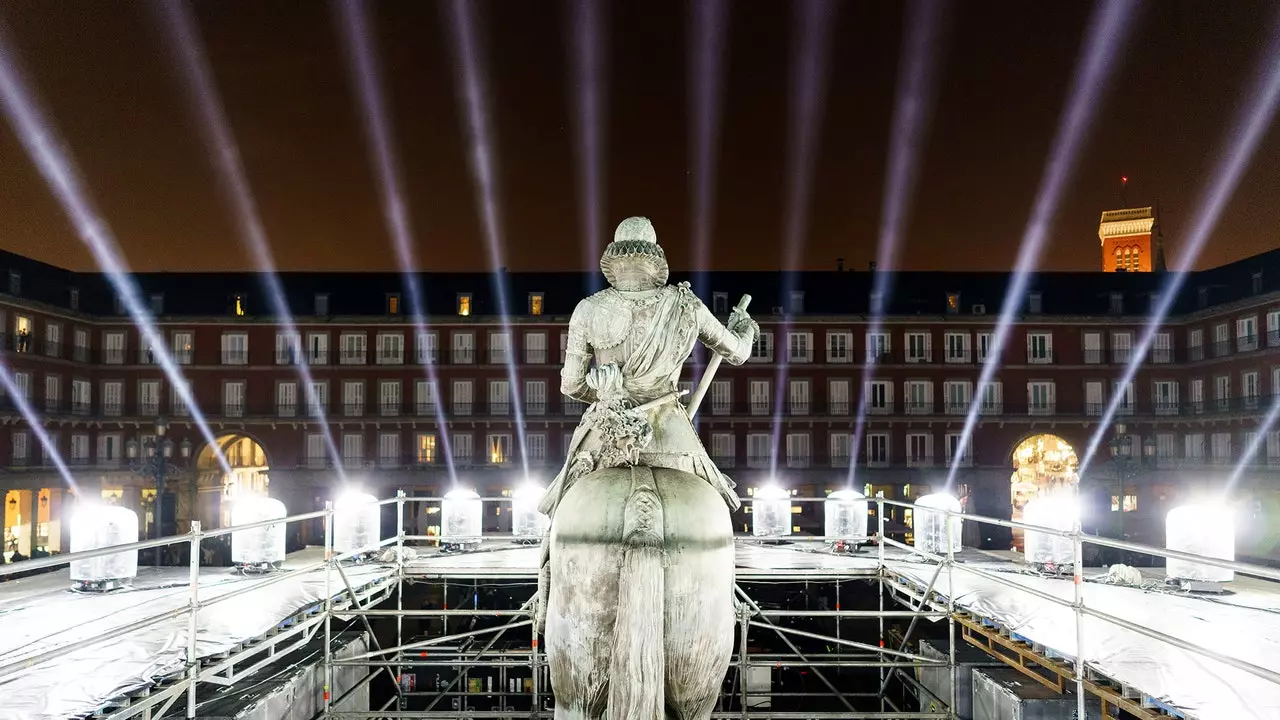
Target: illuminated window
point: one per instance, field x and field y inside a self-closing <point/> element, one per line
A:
<point x="953" y="302"/>
<point x="535" y="303"/>
<point x="464" y="304"/>
<point x="239" y="306"/>
<point x="499" y="449"/>
<point x="393" y="304"/>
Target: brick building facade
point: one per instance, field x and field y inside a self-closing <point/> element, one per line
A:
<point x="464" y="397"/>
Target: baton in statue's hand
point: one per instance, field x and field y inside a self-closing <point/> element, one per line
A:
<point x="705" y="384"/>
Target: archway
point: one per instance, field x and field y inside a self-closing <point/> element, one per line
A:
<point x="1041" y="463"/>
<point x="215" y="489"/>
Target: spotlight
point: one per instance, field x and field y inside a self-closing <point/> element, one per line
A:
<point x="1051" y="553"/>
<point x="526" y="522"/>
<point x="258" y="549"/>
<point x="845" y="518"/>
<point x="1206" y="529"/>
<point x="357" y="524"/>
<point x="771" y="512"/>
<point x="94" y="527"/>
<point x="930" y="524"/>
<point x="460" y="527"/>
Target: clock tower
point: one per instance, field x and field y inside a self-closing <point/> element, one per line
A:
<point x="1131" y="241"/>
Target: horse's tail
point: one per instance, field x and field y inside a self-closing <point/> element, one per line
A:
<point x="636" y="672"/>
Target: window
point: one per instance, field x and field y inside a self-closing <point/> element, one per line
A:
<point x="424" y="397"/>
<point x="15" y="282"/>
<point x="1092" y="348"/>
<point x="1162" y="349"/>
<point x="535" y="445"/>
<point x="722" y="450"/>
<point x="957" y="347"/>
<point x="464" y="348"/>
<point x="800" y="347"/>
<point x="1273" y="328"/>
<point x="21" y="449"/>
<point x="798" y="397"/>
<point x="795" y="304"/>
<point x="758" y="450"/>
<point x="499" y="449"/>
<point x="953" y="303"/>
<point x="953" y="446"/>
<point x="1195" y="344"/>
<point x="389" y="448"/>
<point x="1121" y="346"/>
<point x="238" y="305"/>
<point x="720" y="303"/>
<point x="879" y="397"/>
<point x="1222" y="391"/>
<point x="23" y="381"/>
<point x="798" y="450"/>
<point x="1166" y="446"/>
<point x="179" y="403"/>
<point x="918" y="347"/>
<point x="317" y="348"/>
<point x="1221" y="345"/>
<point x="958" y="395"/>
<point x="1220" y="448"/>
<point x="73" y="301"/>
<point x="759" y="397"/>
<point x="1273" y="447"/>
<point x="322" y="304"/>
<point x="112" y="398"/>
<point x="1039" y="347"/>
<point x="918" y="396"/>
<point x="838" y="442"/>
<point x="389" y="397"/>
<point x="426" y="448"/>
<point x="499" y="344"/>
<point x="81" y="400"/>
<point x="353" y="398"/>
<point x="535" y="303"/>
<point x="1040" y="397"/>
<point x="1165" y="397"/>
<point x="535" y="397"/>
<point x="427" y="348"/>
<point x="288" y="347"/>
<point x="984" y="346"/>
<point x="878" y="347"/>
<point x="316" y="457"/>
<point x="235" y="349"/>
<point x="762" y="348"/>
<point x="157" y="304"/>
<point x="1195" y="395"/>
<point x="390" y="349"/>
<point x="535" y="348"/>
<point x="721" y="397"/>
<point x="149" y="397"/>
<point x="499" y="397"/>
<point x="81" y="350"/>
<point x="352" y="451"/>
<point x="1094" y="403"/>
<point x="838" y="397"/>
<point x="838" y="347"/>
<point x="919" y="449"/>
<point x="877" y="449"/>
<point x="462" y="398"/>
<point x="1247" y="333"/>
<point x="53" y="340"/>
<point x="113" y="348"/>
<point x="1194" y="448"/>
<point x="79" y="449"/>
<point x="232" y="398"/>
<point x="464" y="304"/>
<point x="1124" y="391"/>
<point x="52" y="392"/>
<point x="286" y="398"/>
<point x="351" y="348"/>
<point x="318" y="397"/>
<point x="1117" y="303"/>
<point x="393" y="304"/>
<point x="1249" y="390"/>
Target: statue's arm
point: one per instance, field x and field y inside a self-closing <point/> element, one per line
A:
<point x="577" y="358"/>
<point x="733" y="342"/>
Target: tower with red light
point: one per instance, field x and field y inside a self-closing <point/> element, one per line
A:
<point x="1130" y="240"/>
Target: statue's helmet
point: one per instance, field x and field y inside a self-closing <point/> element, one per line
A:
<point x="634" y="260"/>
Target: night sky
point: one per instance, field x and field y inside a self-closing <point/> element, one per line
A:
<point x="108" y="79"/>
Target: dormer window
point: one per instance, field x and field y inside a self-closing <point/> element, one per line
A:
<point x="157" y="304"/>
<point x="953" y="303"/>
<point x="720" y="303"/>
<point x="322" y="304"/>
<point x="464" y="304"/>
<point x="1257" y="283"/>
<point x="1202" y="297"/>
<point x="238" y="305"/>
<point x="15" y="282"/>
<point x="535" y="303"/>
<point x="1117" y="303"/>
<point x="795" y="303"/>
<point x="393" y="304"/>
<point x="74" y="299"/>
<point x="1035" y="303"/>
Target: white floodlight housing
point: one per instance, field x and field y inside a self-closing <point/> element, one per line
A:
<point x="460" y="524"/>
<point x="1207" y="529"/>
<point x="94" y="527"/>
<point x="1055" y="511"/>
<point x="357" y="524"/>
<point x="930" y="525"/>
<point x="261" y="547"/>
<point x="771" y="512"/>
<point x="526" y="521"/>
<point x="845" y="517"/>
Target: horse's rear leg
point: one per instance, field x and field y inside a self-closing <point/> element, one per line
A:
<point x="699" y="631"/>
<point x="581" y="608"/>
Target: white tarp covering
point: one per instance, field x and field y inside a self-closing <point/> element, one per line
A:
<point x="40" y="613"/>
<point x="1198" y="686"/>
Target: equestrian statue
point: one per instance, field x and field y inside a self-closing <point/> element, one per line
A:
<point x="636" y="582"/>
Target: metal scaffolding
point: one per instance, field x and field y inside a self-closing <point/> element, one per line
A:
<point x="900" y="596"/>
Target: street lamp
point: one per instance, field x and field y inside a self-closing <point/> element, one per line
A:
<point x="1125" y="465"/>
<point x="153" y="461"/>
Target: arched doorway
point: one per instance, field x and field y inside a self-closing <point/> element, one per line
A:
<point x="1041" y="463"/>
<point x="216" y="489"/>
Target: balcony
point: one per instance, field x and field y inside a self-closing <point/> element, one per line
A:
<point x="115" y="356"/>
<point x="425" y="409"/>
<point x="287" y="410"/>
<point x="53" y="348"/>
<point x="535" y="357"/>
<point x="759" y="461"/>
<point x="799" y="408"/>
<point x="1221" y="349"/>
<point x="758" y="407"/>
<point x="318" y="357"/>
<point x="351" y="357"/>
<point x="353" y="462"/>
<point x="535" y="408"/>
<point x="389" y="408"/>
<point x="1246" y="343"/>
<point x="1121" y="356"/>
<point x="1164" y="408"/>
<point x="838" y="407"/>
<point x="798" y="462"/>
<point x="1273" y="338"/>
<point x="917" y="407"/>
<point x="723" y="461"/>
<point x="463" y="356"/>
<point x="956" y="408"/>
<point x="1045" y="358"/>
<point x="1041" y="408"/>
<point x="353" y="409"/>
<point x="80" y="353"/>
<point x="460" y="408"/>
<point x="1195" y="353"/>
<point x="1161" y="356"/>
<point x="498" y="357"/>
<point x="233" y="409"/>
<point x="501" y="407"/>
<point x="1093" y="356"/>
<point x="229" y="357"/>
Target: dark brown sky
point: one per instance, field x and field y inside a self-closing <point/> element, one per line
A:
<point x="108" y="80"/>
